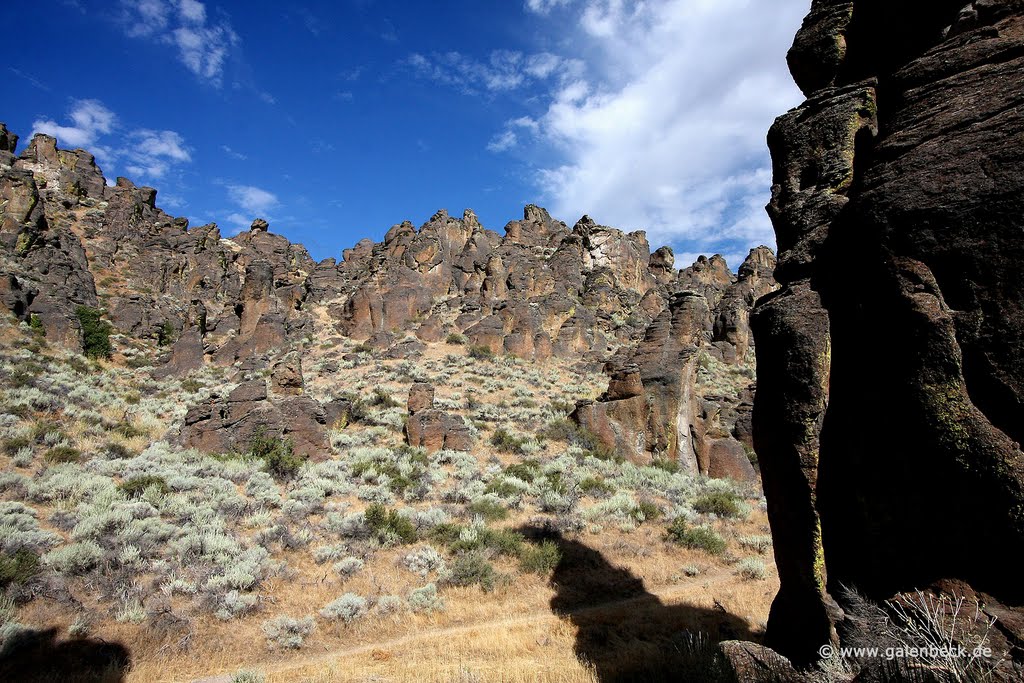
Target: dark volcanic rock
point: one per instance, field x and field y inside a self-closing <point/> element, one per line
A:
<point x="899" y="210"/>
<point x="433" y="429"/>
<point x="229" y="425"/>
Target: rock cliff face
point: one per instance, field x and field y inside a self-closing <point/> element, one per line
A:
<point x="888" y="418"/>
<point x="592" y="292"/>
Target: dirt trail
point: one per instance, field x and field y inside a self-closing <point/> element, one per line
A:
<point x="667" y="594"/>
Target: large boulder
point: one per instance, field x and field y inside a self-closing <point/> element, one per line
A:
<point x="433" y="429"/>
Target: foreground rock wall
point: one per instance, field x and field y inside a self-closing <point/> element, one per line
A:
<point x="888" y="418"/>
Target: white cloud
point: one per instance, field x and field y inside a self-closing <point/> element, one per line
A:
<point x="252" y="199"/>
<point x="192" y="11"/>
<point x="504" y="70"/>
<point x="544" y="7"/>
<point x="148" y="155"/>
<point x="90" y="119"/>
<point x="666" y="131"/>
<point x="233" y="154"/>
<point x="203" y="47"/>
<point x="153" y="152"/>
<point x="503" y="142"/>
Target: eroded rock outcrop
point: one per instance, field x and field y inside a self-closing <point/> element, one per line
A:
<point x="433" y="429"/>
<point x="899" y="210"/>
<point x="655" y="407"/>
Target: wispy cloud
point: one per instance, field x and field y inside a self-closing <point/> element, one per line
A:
<point x="544" y="7"/>
<point x="503" y="142"/>
<point x="90" y="119"/>
<point x="253" y="199"/>
<point x="152" y="152"/>
<point x="30" y="78"/>
<point x="148" y="154"/>
<point x="203" y="47"/>
<point x="665" y="129"/>
<point x="233" y="154"/>
<point x="504" y="70"/>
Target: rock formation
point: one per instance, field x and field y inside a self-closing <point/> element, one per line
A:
<point x="888" y="417"/>
<point x="251" y="302"/>
<point x="433" y="429"/>
<point x="653" y="408"/>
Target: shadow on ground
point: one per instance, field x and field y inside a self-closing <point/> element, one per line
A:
<point x="39" y="657"/>
<point x="626" y="633"/>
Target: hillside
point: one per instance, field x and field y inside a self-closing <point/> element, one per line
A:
<point x="222" y="448"/>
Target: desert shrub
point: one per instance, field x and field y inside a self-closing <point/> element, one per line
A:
<point x="287" y="632"/>
<point x="759" y="544"/>
<point x="95" y="333"/>
<point x="455" y="339"/>
<point x="480" y="353"/>
<point x="752" y="569"/>
<point x="595" y="486"/>
<point x="472" y="569"/>
<point x="59" y="454"/>
<point x="117" y="450"/>
<point x="348" y="566"/>
<point x="424" y="560"/>
<point x="389" y="604"/>
<point x="670" y="466"/>
<point x="506" y="442"/>
<point x="247" y="676"/>
<point x="35" y="323"/>
<point x="76" y="558"/>
<point x="347" y="608"/>
<point x="388" y="525"/>
<point x="135" y="487"/>
<point x="697" y="538"/>
<point x="18" y="567"/>
<point x="166" y="334"/>
<point x="527" y="470"/>
<point x="13" y="445"/>
<point x="235" y="604"/>
<point x="277" y="453"/>
<point x="488" y="508"/>
<point x="721" y="503"/>
<point x="425" y="599"/>
<point x="560" y="429"/>
<point x="646" y="511"/>
<point x="540" y="559"/>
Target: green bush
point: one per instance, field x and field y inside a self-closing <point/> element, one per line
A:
<point x="455" y="339"/>
<point x="670" y="466"/>
<point x="506" y="442"/>
<point x="490" y="510"/>
<point x="472" y="569"/>
<point x="59" y="454"/>
<point x="134" y="488"/>
<point x="277" y="453"/>
<point x="697" y="538"/>
<point x="18" y="568"/>
<point x="721" y="503"/>
<point x="595" y="486"/>
<point x="14" y="444"/>
<point x="95" y="333"/>
<point x="646" y="511"/>
<point x="527" y="470"/>
<point x="540" y="559"/>
<point x="480" y="353"/>
<point x="35" y="323"/>
<point x="388" y="525"/>
<point x="166" y="334"/>
<point x="560" y="429"/>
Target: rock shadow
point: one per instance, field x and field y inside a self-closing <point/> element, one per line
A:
<point x="32" y="656"/>
<point x="626" y="633"/>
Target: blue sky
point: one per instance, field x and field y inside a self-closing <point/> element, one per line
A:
<point x="336" y="119"/>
